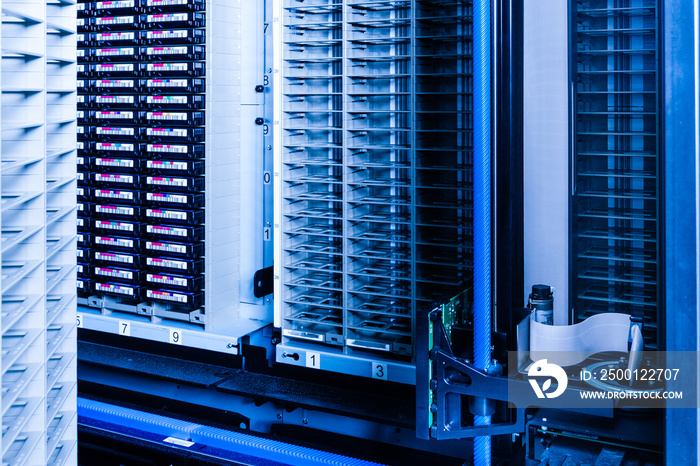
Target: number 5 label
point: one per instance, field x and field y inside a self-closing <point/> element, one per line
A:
<point x="379" y="370"/>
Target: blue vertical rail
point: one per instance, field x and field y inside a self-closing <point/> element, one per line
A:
<point x="681" y="204"/>
<point x="482" y="207"/>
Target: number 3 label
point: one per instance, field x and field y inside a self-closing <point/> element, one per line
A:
<point x="379" y="370"/>
<point x="175" y="336"/>
<point x="313" y="360"/>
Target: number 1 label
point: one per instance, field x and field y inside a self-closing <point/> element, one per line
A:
<point x="313" y="360"/>
<point x="379" y="370"/>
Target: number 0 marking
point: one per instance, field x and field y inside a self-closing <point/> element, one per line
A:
<point x="175" y="336"/>
<point x="124" y="328"/>
<point x="313" y="360"/>
<point x="379" y="370"/>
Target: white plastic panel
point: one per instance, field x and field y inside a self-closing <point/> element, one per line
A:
<point x="37" y="218"/>
<point x="546" y="151"/>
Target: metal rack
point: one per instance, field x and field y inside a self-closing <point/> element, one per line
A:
<point x="617" y="158"/>
<point x="164" y="195"/>
<point x="373" y="173"/>
<point x="38" y="232"/>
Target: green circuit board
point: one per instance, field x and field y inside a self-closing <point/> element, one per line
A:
<point x="454" y="312"/>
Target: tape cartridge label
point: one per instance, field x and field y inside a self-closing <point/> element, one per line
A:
<point x="119" y="289"/>
<point x="115" y="242"/>
<point x="114" y="273"/>
<point x="117" y="226"/>
<point x="120" y="258"/>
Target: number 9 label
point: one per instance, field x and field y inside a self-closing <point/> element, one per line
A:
<point x="175" y="336"/>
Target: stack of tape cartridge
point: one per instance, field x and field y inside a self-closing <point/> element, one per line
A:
<point x="141" y="147"/>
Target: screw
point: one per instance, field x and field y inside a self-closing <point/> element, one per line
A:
<point x="259" y="88"/>
<point x="259" y="121"/>
<point x="305" y="421"/>
<point x="279" y="416"/>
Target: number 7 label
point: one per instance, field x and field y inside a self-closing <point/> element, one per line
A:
<point x="124" y="328"/>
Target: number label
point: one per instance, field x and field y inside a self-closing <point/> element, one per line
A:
<point x="175" y="336"/>
<point x="124" y="328"/>
<point x="313" y="360"/>
<point x="267" y="177"/>
<point x="267" y="234"/>
<point x="379" y="370"/>
<point x="79" y="320"/>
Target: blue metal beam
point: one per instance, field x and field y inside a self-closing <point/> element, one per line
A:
<point x="680" y="203"/>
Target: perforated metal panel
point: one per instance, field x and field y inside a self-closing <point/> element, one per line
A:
<point x="617" y="160"/>
<point x="374" y="165"/>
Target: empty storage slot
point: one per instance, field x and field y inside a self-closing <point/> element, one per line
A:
<point x="376" y="162"/>
<point x="15" y="380"/>
<point x="617" y="162"/>
<point x="15" y="418"/>
<point x="19" y="450"/>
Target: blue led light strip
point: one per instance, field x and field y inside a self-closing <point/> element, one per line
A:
<point x="94" y="413"/>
